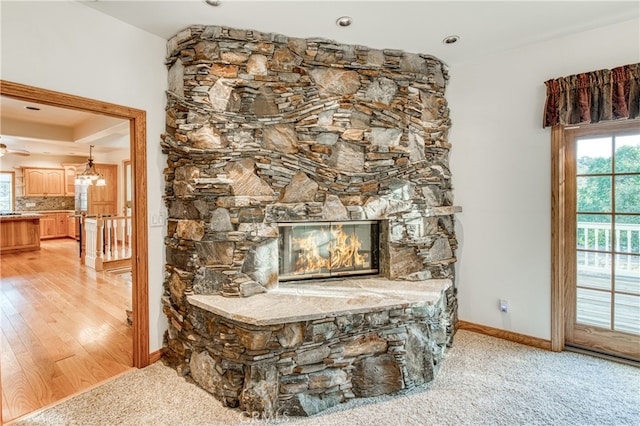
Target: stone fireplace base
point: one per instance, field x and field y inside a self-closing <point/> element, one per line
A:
<point x="302" y="349"/>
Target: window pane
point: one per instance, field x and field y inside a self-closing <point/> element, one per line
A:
<point x="593" y="308"/>
<point x="628" y="273"/>
<point x="593" y="232"/>
<point x="594" y="194"/>
<point x="593" y="156"/>
<point x="6" y="192"/>
<point x="627" y="313"/>
<point x="593" y="270"/>
<point x="628" y="194"/>
<point x="627" y="154"/>
<point x="627" y="235"/>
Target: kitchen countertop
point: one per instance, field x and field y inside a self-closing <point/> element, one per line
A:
<point x="45" y="211"/>
<point x="31" y="214"/>
<point x="22" y="216"/>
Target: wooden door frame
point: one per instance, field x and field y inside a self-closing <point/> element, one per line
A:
<point x="138" y="155"/>
<point x="562" y="293"/>
<point x="125" y="192"/>
<point x="559" y="266"/>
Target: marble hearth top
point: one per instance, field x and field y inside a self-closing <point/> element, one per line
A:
<point x="310" y="301"/>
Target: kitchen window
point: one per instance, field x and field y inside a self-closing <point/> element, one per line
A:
<point x="7" y="191"/>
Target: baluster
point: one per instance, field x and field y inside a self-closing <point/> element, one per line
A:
<point x="99" y="242"/>
<point x="114" y="249"/>
<point x="121" y="229"/>
<point x="90" y="243"/>
<point x="618" y="258"/>
<point x="607" y="245"/>
<point x="115" y="225"/>
<point x="592" y="256"/>
<point x="83" y="238"/>
<point x="107" y="238"/>
<point x="128" y="221"/>
<point x="114" y="238"/>
<point x="629" y="247"/>
<point x="109" y="245"/>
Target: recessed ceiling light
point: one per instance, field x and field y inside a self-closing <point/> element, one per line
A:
<point x="451" y="39"/>
<point x="344" y="21"/>
<point x="32" y="108"/>
<point x="212" y="2"/>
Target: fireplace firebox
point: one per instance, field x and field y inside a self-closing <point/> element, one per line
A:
<point x="312" y="250"/>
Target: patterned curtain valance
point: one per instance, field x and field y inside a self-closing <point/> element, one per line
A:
<point x="593" y="97"/>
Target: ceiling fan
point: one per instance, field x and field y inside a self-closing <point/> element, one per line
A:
<point x="5" y="150"/>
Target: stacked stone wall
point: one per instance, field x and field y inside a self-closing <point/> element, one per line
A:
<point x="262" y="128"/>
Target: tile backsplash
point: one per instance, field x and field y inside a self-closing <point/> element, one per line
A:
<point x="34" y="204"/>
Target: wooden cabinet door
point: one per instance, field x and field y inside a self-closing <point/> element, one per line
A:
<point x="104" y="199"/>
<point x="34" y="182"/>
<point x="54" y="183"/>
<point x="62" y="224"/>
<point x="72" y="231"/>
<point x="48" y="226"/>
<point x="69" y="180"/>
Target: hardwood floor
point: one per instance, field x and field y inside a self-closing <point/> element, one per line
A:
<point x="63" y="326"/>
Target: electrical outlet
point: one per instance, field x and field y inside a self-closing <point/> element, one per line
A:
<point x="504" y="305"/>
<point x="30" y="204"/>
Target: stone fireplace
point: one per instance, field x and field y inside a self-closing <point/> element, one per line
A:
<point x="310" y="243"/>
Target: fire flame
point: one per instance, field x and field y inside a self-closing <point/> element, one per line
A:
<point x="344" y="251"/>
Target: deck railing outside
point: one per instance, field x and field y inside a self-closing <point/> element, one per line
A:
<point x="597" y="251"/>
<point x="595" y="238"/>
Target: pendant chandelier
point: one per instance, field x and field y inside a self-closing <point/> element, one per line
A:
<point x="90" y="174"/>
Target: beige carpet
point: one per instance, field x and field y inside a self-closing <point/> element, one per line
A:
<point x="483" y="381"/>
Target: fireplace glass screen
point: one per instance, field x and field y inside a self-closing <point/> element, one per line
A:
<point x="328" y="249"/>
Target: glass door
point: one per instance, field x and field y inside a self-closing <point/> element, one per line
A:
<point x="605" y="234"/>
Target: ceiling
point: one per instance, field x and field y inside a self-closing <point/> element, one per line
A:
<point x="59" y="131"/>
<point x="484" y="28"/>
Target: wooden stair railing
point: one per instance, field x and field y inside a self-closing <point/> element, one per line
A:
<point x="106" y="242"/>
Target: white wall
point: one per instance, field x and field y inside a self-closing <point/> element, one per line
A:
<point x="68" y="47"/>
<point x="501" y="165"/>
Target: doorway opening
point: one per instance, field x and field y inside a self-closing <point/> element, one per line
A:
<point x="139" y="262"/>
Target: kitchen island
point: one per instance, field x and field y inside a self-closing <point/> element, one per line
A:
<point x="19" y="232"/>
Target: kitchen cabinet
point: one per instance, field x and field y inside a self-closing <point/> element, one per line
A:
<point x="48" y="226"/>
<point x="19" y="233"/>
<point x="62" y="224"/>
<point x="56" y="225"/>
<point x="40" y="182"/>
<point x="69" y="180"/>
<point x="72" y="227"/>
